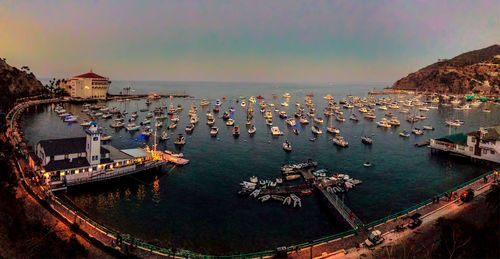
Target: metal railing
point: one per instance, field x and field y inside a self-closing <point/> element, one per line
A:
<point x="189" y="254"/>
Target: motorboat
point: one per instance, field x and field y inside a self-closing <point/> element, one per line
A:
<point x="105" y="137"/>
<point x="107" y="115"/>
<point x="132" y="127"/>
<point x="275" y="131"/>
<point x="214" y="131"/>
<point x="210" y="122"/>
<point x="316" y="130"/>
<point x="189" y="128"/>
<point x="204" y="102"/>
<point x="230" y="122"/>
<point x="318" y="120"/>
<point x="117" y="124"/>
<point x="164" y="136"/>
<point x="328" y="97"/>
<point x="145" y="122"/>
<point x="226" y="116"/>
<point x="354" y="117"/>
<point x="283" y="115"/>
<point x="423" y="109"/>
<point x="340" y="141"/>
<point x="174" y="118"/>
<point x="453" y="123"/>
<point x="366" y="140"/>
<point x="252" y="99"/>
<point x="303" y="120"/>
<point x="70" y="118"/>
<point x="193" y="119"/>
<point x="417" y="131"/>
<point x="86" y="123"/>
<point x="243" y="104"/>
<point x="158" y="124"/>
<point x="147" y="131"/>
<point x="286" y="95"/>
<point x="148" y="115"/>
<point x="291" y="122"/>
<point x="486" y="110"/>
<point x="404" y="133"/>
<point x="426" y="127"/>
<point x="333" y="130"/>
<point x="394" y="121"/>
<point x="287" y="146"/>
<point x="236" y="131"/>
<point x="384" y="123"/>
<point x="370" y="115"/>
<point x="367" y="164"/>
<point x="172" y="125"/>
<point x="340" y="118"/>
<point x="252" y="129"/>
<point x="269" y="122"/>
<point x="180" y="140"/>
<point x="295" y="131"/>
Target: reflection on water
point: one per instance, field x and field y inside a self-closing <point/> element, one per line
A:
<point x="197" y="208"/>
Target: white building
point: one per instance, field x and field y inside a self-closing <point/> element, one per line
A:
<point x="71" y="161"/>
<point x="483" y="144"/>
<point x="87" y="86"/>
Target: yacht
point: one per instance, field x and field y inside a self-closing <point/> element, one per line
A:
<point x="189" y="128"/>
<point x="147" y="131"/>
<point x="230" y="122"/>
<point x="163" y="136"/>
<point x="214" y="131"/>
<point x="172" y="125"/>
<point x="132" y="127"/>
<point x="236" y="131"/>
<point x="85" y="123"/>
<point x="252" y="129"/>
<point x="333" y="130"/>
<point x="316" y="130"/>
<point x="287" y="146"/>
<point x="404" y="133"/>
<point x="117" y="124"/>
<point x="340" y="118"/>
<point x="70" y="118"/>
<point x="283" y="115"/>
<point x="318" y="120"/>
<point x="106" y="137"/>
<point x="291" y="122"/>
<point x="303" y="120"/>
<point x="384" y="123"/>
<point x="275" y="131"/>
<point x="204" y="102"/>
<point x="366" y="140"/>
<point x="417" y="131"/>
<point x="180" y="140"/>
<point x="340" y="141"/>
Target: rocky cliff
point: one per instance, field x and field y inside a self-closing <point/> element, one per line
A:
<point x="475" y="71"/>
<point x="16" y="83"/>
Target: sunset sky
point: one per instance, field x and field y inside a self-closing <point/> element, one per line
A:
<point x="266" y="41"/>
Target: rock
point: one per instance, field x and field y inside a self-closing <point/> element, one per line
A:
<point x="474" y="71"/>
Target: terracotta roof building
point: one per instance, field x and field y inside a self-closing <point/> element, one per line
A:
<point x="87" y="86"/>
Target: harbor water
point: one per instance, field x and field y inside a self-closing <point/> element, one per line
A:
<point x="196" y="207"/>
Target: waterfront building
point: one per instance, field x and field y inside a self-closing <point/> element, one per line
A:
<point x="483" y="144"/>
<point x="72" y="161"/>
<point x="86" y="86"/>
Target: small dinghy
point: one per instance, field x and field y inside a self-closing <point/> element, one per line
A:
<point x="367" y="164"/>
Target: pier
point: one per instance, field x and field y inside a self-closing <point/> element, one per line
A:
<point x="331" y="198"/>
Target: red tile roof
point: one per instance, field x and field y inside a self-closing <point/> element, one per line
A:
<point x="90" y="75"/>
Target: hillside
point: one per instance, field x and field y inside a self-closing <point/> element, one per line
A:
<point x="475" y="71"/>
<point x="15" y="83"/>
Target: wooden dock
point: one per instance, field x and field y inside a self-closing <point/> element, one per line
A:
<point x="286" y="189"/>
<point x="423" y="143"/>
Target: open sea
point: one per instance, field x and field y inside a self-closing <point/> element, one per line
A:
<point x="196" y="207"/>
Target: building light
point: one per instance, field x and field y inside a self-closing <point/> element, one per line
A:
<point x="46" y="175"/>
<point x="76" y="171"/>
<point x="62" y="173"/>
<point x="90" y="169"/>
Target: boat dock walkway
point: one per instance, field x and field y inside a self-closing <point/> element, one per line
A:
<point x="286" y="189"/>
<point x="313" y="183"/>
<point x="423" y="143"/>
<point x="340" y="206"/>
